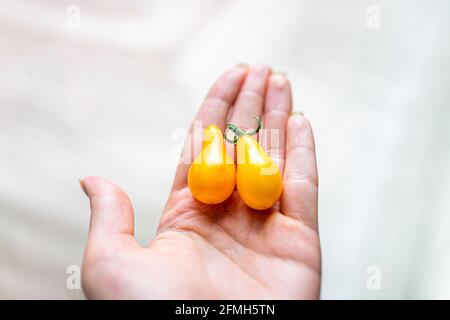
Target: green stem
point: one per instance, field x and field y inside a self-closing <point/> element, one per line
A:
<point x="238" y="132"/>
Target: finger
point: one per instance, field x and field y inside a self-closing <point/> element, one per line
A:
<point x="112" y="221"/>
<point x="250" y="101"/>
<point x="300" y="180"/>
<point x="214" y="110"/>
<point x="278" y="106"/>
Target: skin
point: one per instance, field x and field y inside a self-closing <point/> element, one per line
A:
<point x="223" y="251"/>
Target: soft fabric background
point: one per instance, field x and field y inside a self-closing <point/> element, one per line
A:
<point x="112" y="96"/>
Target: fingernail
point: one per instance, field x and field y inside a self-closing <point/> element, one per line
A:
<point x="298" y="113"/>
<point x="279" y="72"/>
<point x="243" y="65"/>
<point x="82" y="186"/>
<point x="279" y="79"/>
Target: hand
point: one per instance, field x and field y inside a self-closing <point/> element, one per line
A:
<point x="225" y="251"/>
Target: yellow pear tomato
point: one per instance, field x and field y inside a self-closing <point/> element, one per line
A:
<point x="258" y="177"/>
<point x="212" y="175"/>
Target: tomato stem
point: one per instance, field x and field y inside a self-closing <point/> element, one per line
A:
<point x="238" y="132"/>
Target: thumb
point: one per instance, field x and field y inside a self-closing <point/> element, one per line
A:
<point x="111" y="212"/>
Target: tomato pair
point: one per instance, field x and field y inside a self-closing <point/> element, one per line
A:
<point x="213" y="175"/>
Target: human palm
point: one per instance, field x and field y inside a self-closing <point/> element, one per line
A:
<point x="223" y="251"/>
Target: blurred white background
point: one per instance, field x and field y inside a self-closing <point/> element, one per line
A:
<point x="97" y="87"/>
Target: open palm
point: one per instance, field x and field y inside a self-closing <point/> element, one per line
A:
<point x="224" y="251"/>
